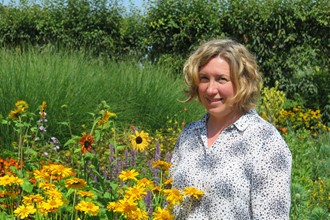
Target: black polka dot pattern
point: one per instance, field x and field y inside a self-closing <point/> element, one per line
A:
<point x="246" y="174"/>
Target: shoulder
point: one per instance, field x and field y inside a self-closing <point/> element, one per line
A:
<point x="261" y="133"/>
<point x="194" y="127"/>
<point x="255" y="125"/>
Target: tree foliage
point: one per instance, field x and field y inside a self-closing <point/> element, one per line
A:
<point x="290" y="38"/>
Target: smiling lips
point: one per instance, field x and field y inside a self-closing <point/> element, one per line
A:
<point x="214" y="101"/>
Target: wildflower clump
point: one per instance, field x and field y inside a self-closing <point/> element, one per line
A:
<point x="6" y="164"/>
<point x="139" y="197"/>
<point x="99" y="174"/>
<point x="169" y="133"/>
<point x="272" y="103"/>
<point x="300" y="118"/>
<point x="294" y="118"/>
<point x="320" y="193"/>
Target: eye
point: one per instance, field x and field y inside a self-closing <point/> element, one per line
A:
<point x="222" y="79"/>
<point x="203" y="79"/>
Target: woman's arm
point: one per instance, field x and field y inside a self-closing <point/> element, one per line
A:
<point x="271" y="177"/>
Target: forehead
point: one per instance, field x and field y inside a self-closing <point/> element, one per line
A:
<point x="216" y="66"/>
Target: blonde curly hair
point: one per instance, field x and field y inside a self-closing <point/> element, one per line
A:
<point x="244" y="71"/>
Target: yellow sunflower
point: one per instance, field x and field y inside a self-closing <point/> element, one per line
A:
<point x="87" y="207"/>
<point x="140" y="141"/>
<point x="146" y="183"/>
<point x="46" y="185"/>
<point x="10" y="180"/>
<point x="138" y="214"/>
<point x="105" y="117"/>
<point x="128" y="174"/>
<point x="58" y="170"/>
<point x="162" y="164"/>
<point x="14" y="114"/>
<point x="23" y="211"/>
<point x="125" y="206"/>
<point x="173" y="196"/>
<point x="51" y="205"/>
<point x="53" y="193"/>
<point x="31" y="199"/>
<point x="192" y="191"/>
<point x="22" y="104"/>
<point x="168" y="181"/>
<point x="162" y="214"/>
<point x="85" y="194"/>
<point x="135" y="193"/>
<point x="75" y="183"/>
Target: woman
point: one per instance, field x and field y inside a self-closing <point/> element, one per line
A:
<point x="240" y="161"/>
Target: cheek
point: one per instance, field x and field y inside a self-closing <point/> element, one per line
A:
<point x="227" y="90"/>
<point x="201" y="88"/>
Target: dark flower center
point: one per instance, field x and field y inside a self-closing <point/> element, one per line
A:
<point x="138" y="140"/>
<point x="87" y="144"/>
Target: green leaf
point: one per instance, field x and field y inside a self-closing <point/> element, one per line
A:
<point x="113" y="185"/>
<point x="107" y="195"/>
<point x="31" y="151"/>
<point x="70" y="191"/>
<point x="73" y="140"/>
<point x="63" y="123"/>
<point x="4" y="122"/>
<point x="120" y="147"/>
<point x="27" y="186"/>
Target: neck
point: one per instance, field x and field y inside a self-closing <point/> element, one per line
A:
<point x="218" y="124"/>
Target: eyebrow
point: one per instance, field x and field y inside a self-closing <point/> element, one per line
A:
<point x="221" y="74"/>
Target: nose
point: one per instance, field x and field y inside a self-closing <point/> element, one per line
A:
<point x="211" y="88"/>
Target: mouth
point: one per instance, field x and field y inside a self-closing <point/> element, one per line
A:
<point x="215" y="101"/>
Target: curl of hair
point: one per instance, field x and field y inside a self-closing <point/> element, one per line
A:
<point x="244" y="71"/>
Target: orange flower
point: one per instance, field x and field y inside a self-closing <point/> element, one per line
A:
<point x="86" y="142"/>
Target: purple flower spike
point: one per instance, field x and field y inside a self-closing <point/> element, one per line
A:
<point x="127" y="160"/>
<point x="157" y="151"/>
<point x="148" y="202"/>
<point x="168" y="157"/>
<point x="133" y="158"/>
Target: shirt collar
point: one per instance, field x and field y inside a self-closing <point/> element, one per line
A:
<point x="241" y="124"/>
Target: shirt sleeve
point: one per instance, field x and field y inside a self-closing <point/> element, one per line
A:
<point x="270" y="176"/>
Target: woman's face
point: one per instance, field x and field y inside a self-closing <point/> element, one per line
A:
<point x="215" y="87"/>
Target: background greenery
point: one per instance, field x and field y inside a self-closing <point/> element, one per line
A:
<point x="289" y="37"/>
